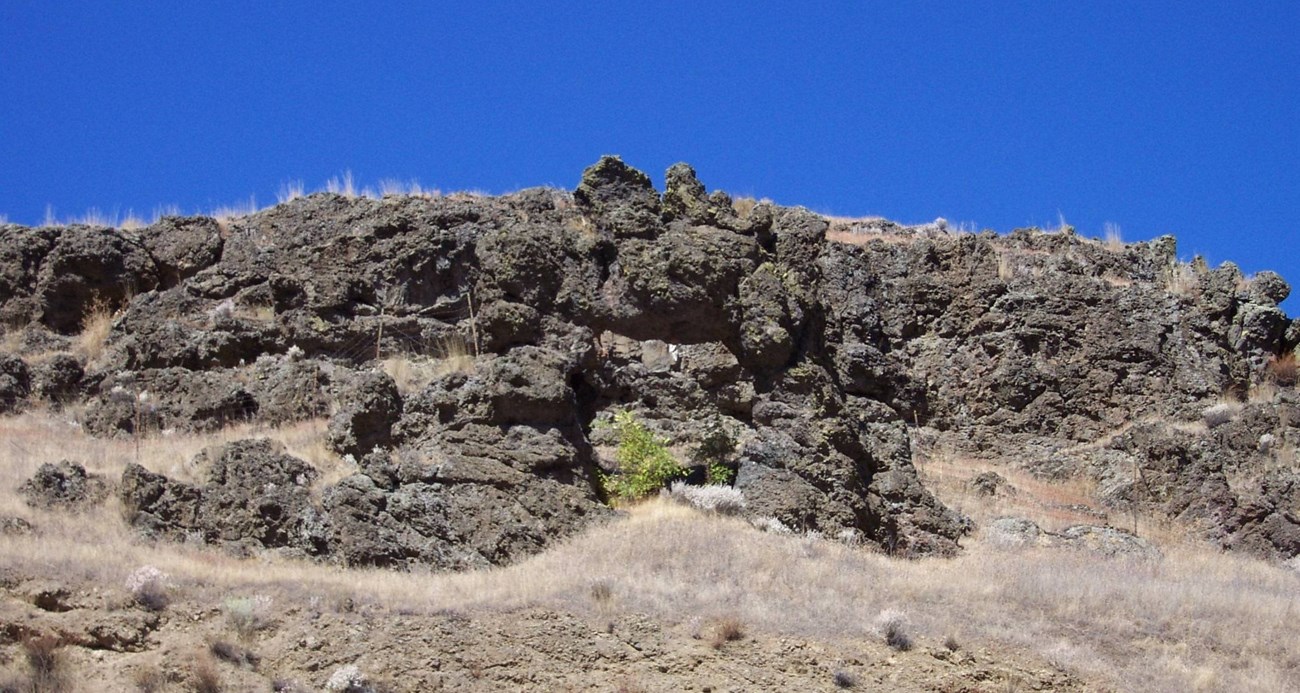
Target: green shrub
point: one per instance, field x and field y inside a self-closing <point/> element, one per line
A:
<point x="713" y="451"/>
<point x="719" y="474"/>
<point x="645" y="464"/>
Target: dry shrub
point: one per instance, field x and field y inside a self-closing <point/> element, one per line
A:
<point x="95" y="328"/>
<point x="149" y="679"/>
<point x="728" y="629"/>
<point x="150" y="587"/>
<point x="1219" y="414"/>
<point x="743" y="206"/>
<point x="1114" y="238"/>
<point x="234" y="654"/>
<point x="893" y="626"/>
<point x="844" y="679"/>
<point x="47" y="668"/>
<point x="714" y="498"/>
<point x="205" y="677"/>
<point x="1282" y="369"/>
<point x="1181" y="279"/>
<point x="247" y="615"/>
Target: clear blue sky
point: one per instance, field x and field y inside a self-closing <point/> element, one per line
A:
<point x="1161" y="117"/>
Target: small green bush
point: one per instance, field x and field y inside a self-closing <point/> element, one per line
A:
<point x="645" y="464"/>
<point x="713" y="451"/>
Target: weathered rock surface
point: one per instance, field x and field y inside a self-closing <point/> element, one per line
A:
<point x="1018" y="532"/>
<point x="64" y="485"/>
<point x="255" y="496"/>
<point x="815" y="343"/>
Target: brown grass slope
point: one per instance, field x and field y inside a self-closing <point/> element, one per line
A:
<point x="805" y="609"/>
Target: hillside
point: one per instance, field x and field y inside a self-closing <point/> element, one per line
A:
<point x="284" y="402"/>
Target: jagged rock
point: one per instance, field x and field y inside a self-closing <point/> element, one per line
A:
<point x="1018" y="532"/>
<point x="85" y="266"/>
<point x="1270" y="286"/>
<point x="685" y="198"/>
<point x="621" y="196"/>
<point x="21" y="253"/>
<point x="288" y="388"/>
<point x="820" y="342"/>
<point x="168" y="398"/>
<point x="15" y="383"/>
<point x="505" y="324"/>
<point x="991" y="484"/>
<point x="816" y="463"/>
<point x="1013" y="532"/>
<point x="182" y="246"/>
<point x="15" y="526"/>
<point x="64" y="485"/>
<point x="368" y="407"/>
<point x="254" y="494"/>
<point x="1107" y="541"/>
<point x="58" y="379"/>
<point x="158" y="506"/>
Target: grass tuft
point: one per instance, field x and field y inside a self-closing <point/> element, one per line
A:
<point x="727" y="629"/>
<point x="893" y="627"/>
<point x="1282" y="369"/>
<point x="204" y="677"/>
<point x="47" y="667"/>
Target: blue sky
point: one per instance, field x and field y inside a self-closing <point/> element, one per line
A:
<point x="1161" y="117"/>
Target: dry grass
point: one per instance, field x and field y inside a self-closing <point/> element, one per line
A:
<point x="1281" y="369"/>
<point x="413" y="372"/>
<point x="726" y="629"/>
<point x="744" y="206"/>
<point x="1053" y="505"/>
<point x="342" y="185"/>
<point x="1181" y="279"/>
<point x="95" y="328"/>
<point x="1196" y="620"/>
<point x="116" y="219"/>
<point x="290" y="191"/>
<point x="228" y="213"/>
<point x="1114" y="238"/>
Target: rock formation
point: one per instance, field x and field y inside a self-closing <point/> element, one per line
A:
<point x="818" y="345"/>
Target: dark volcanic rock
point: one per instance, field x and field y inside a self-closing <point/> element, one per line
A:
<point x="58" y="379"/>
<point x="369" y="405"/>
<point x="514" y="324"/>
<point x="15" y="383"/>
<point x="63" y="485"/>
<point x="255" y="495"/>
<point x="622" y="197"/>
<point x="183" y="246"/>
<point x="85" y="266"/>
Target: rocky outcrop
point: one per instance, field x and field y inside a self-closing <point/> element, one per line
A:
<point x="509" y="327"/>
<point x="15" y="383"/>
<point x="65" y="485"/>
<point x="1018" y="532"/>
<point x="255" y="496"/>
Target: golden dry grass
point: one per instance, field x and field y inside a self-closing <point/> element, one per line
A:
<point x="1282" y="369"/>
<point x="1181" y="279"/>
<point x="95" y="328"/>
<point x="412" y="372"/>
<point x="1114" y="238"/>
<point x="1196" y="620"/>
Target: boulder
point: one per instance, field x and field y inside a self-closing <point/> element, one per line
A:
<point x="15" y="383"/>
<point x="65" y="485"/>
<point x="622" y="197"/>
<point x="255" y="495"/>
<point x="369" y="404"/>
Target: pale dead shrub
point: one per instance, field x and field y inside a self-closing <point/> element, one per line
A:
<point x="714" y="498"/>
<point x="892" y="625"/>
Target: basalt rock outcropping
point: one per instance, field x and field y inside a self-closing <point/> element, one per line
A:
<point x="465" y="349"/>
